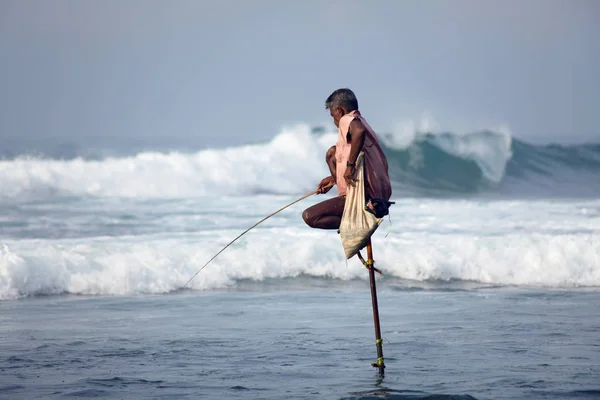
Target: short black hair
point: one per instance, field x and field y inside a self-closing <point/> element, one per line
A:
<point x="342" y="97"/>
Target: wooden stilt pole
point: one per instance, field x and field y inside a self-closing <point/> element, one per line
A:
<point x="379" y="363"/>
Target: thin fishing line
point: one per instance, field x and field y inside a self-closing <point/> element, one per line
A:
<point x="247" y="230"/>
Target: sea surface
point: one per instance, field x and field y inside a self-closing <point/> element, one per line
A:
<point x="490" y="286"/>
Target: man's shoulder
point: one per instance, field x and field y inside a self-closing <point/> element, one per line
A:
<point x="356" y="123"/>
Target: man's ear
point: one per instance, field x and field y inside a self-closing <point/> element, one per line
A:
<point x="341" y="110"/>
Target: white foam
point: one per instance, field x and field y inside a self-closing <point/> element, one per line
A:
<point x="141" y="265"/>
<point x="490" y="149"/>
<point x="530" y="260"/>
<point x="406" y="131"/>
<point x="293" y="162"/>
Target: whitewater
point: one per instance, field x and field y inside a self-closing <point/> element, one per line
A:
<point x="481" y="207"/>
<point x="490" y="261"/>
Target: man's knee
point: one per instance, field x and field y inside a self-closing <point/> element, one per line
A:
<point x="310" y="218"/>
<point x="306" y="216"/>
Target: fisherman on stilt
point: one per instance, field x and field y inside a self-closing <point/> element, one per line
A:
<point x="359" y="168"/>
<point x="354" y="135"/>
<point x="358" y="161"/>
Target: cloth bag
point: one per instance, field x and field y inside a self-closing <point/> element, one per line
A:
<point x="357" y="224"/>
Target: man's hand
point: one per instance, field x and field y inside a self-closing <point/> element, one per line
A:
<point x="349" y="176"/>
<point x="325" y="185"/>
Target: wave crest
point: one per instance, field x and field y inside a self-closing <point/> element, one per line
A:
<point x="293" y="162"/>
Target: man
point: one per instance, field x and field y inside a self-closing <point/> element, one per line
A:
<point x="354" y="135"/>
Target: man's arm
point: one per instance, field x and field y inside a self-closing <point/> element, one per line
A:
<point x="331" y="161"/>
<point x="328" y="182"/>
<point x="357" y="133"/>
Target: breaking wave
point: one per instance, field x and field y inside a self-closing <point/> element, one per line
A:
<point x="145" y="265"/>
<point x="292" y="162"/>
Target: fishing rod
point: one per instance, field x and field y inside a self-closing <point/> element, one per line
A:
<point x="252" y="227"/>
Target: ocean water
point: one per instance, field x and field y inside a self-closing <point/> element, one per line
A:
<point x="490" y="285"/>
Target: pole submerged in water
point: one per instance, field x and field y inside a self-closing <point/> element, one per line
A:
<point x="379" y="363"/>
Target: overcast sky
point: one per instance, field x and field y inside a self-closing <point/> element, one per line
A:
<point x="227" y="72"/>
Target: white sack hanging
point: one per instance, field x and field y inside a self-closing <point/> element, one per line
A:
<point x="357" y="224"/>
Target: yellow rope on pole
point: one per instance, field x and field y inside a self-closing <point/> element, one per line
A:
<point x="378" y="363"/>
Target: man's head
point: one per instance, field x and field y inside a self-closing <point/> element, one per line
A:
<point x="340" y="103"/>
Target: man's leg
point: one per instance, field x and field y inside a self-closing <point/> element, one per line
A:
<point x="326" y="214"/>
